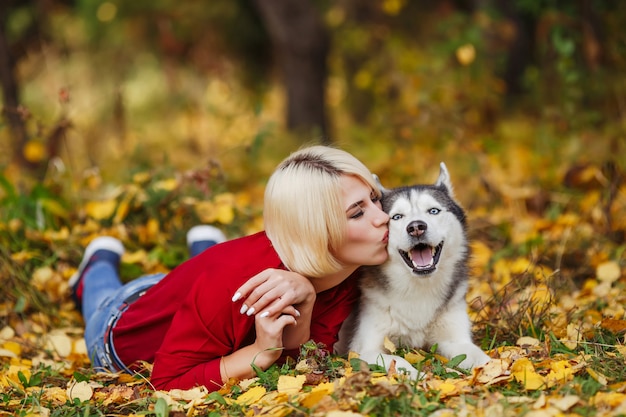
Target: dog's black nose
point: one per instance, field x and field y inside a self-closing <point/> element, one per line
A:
<point x="416" y="228"/>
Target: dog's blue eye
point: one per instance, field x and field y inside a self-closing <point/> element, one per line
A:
<point x="434" y="211"/>
<point x="397" y="217"/>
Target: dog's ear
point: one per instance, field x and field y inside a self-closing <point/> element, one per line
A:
<point x="444" y="179"/>
<point x="377" y="181"/>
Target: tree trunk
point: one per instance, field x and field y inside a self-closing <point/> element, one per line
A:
<point x="301" y="44"/>
<point x="10" y="96"/>
<point x="521" y="49"/>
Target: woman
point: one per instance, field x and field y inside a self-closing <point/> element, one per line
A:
<point x="208" y="321"/>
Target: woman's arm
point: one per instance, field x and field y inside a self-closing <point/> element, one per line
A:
<point x="177" y="368"/>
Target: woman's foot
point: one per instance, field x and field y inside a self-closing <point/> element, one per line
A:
<point x="101" y="249"/>
<point x="203" y="237"/>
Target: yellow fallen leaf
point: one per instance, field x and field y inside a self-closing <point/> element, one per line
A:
<point x="481" y="255"/>
<point x="56" y="395"/>
<point x="601" y="379"/>
<point x="542" y="295"/>
<point x="466" y="54"/>
<point x="607" y="399"/>
<point x="225" y="207"/>
<point x="389" y="345"/>
<point x="414" y="357"/>
<point x="520" y="265"/>
<point x="122" y="210"/>
<point x="524" y="372"/>
<point x="574" y="335"/>
<point x="166" y="185"/>
<point x="136" y="257"/>
<point x="12" y="347"/>
<point x="290" y="384"/>
<point x="205" y="210"/>
<point x="23" y="256"/>
<point x="53" y="206"/>
<point x="560" y="372"/>
<point x="34" y="151"/>
<point x="254" y="394"/>
<point x="445" y="388"/>
<point x="10" y="376"/>
<point x="141" y="177"/>
<point x="317" y="393"/>
<point x="100" y="210"/>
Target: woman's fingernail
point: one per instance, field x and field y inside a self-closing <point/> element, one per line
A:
<point x="250" y="311"/>
<point x="237" y="296"/>
<point x="264" y="314"/>
<point x="297" y="313"/>
<point x="243" y="308"/>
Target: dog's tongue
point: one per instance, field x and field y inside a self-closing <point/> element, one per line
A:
<point x="422" y="256"/>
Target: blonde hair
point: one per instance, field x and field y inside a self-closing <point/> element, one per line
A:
<point x="303" y="212"/>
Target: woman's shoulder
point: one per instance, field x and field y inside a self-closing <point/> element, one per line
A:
<point x="257" y="244"/>
<point x="242" y="257"/>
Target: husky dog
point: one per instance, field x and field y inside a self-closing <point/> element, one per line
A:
<point x="417" y="297"/>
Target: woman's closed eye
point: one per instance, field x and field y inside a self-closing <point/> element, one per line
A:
<point x="357" y="210"/>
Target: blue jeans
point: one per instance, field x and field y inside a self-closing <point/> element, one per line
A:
<point x="105" y="298"/>
<point x="104" y="301"/>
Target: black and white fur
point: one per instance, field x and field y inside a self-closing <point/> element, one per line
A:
<point x="417" y="297"/>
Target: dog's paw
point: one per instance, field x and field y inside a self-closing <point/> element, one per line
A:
<point x="474" y="356"/>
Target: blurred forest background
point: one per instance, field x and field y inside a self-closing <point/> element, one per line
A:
<point x="141" y="118"/>
<point x="121" y="86"/>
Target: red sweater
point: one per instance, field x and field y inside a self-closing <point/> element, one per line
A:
<point x="187" y="322"/>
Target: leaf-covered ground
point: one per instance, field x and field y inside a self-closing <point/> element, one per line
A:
<point x="547" y="298"/>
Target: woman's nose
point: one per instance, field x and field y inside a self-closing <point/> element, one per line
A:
<point x="382" y="218"/>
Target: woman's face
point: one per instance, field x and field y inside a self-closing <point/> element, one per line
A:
<point x="367" y="232"/>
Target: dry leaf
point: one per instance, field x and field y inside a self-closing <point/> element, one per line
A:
<point x="60" y="343"/>
<point x="616" y="326"/>
<point x="389" y="345"/>
<point x="290" y="384"/>
<point x="524" y="372"/>
<point x="564" y="403"/>
<point x="608" y="271"/>
<point x="496" y="369"/>
<point x="254" y="394"/>
<point x="527" y="341"/>
<point x="79" y="390"/>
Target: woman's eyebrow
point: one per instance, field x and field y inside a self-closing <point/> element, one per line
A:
<point x="355" y="205"/>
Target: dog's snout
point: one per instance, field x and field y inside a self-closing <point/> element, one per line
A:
<point x="416" y="228"/>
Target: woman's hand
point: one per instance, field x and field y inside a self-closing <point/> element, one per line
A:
<point x="275" y="291"/>
<point x="265" y="350"/>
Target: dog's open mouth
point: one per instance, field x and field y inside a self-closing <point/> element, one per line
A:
<point x="422" y="258"/>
